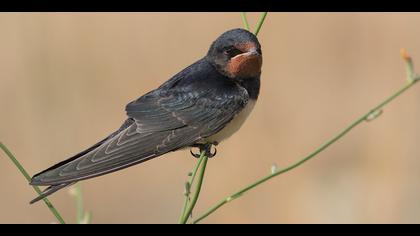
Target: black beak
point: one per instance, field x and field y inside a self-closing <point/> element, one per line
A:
<point x="254" y="51"/>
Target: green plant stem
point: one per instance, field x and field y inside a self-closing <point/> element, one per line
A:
<point x="80" y="205"/>
<point x="260" y="23"/>
<point x="28" y="178"/>
<point x="82" y="216"/>
<point x="197" y="190"/>
<point x="372" y="114"/>
<point x="189" y="183"/>
<point x="245" y="20"/>
<point x="187" y="209"/>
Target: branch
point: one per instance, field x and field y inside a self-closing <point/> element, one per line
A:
<point x="412" y="79"/>
<point x="28" y="178"/>
<point x="188" y="208"/>
<point x="83" y="217"/>
<point x="188" y="185"/>
<point x="260" y="23"/>
<point x="245" y="20"/>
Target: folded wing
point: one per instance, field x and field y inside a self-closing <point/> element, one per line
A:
<point x="160" y="122"/>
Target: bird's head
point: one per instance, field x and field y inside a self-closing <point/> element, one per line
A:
<point x="236" y="54"/>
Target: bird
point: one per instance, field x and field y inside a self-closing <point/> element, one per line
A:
<point x="202" y="105"/>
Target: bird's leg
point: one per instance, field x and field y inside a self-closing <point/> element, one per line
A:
<point x="206" y="148"/>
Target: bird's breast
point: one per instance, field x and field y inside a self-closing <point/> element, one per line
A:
<point x="233" y="125"/>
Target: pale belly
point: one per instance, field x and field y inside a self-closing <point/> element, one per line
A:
<point x="234" y="125"/>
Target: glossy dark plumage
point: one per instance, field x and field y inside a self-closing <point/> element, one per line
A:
<point x="194" y="104"/>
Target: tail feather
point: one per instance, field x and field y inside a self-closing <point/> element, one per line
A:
<point x="36" y="180"/>
<point x="50" y="190"/>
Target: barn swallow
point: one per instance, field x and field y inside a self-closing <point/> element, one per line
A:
<point x="203" y="104"/>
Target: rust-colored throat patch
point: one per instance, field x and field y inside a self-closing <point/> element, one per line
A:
<point x="247" y="64"/>
<point x="244" y="65"/>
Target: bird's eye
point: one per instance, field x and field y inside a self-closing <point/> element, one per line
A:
<point x="232" y="51"/>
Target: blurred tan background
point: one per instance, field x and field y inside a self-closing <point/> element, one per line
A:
<point x="65" y="80"/>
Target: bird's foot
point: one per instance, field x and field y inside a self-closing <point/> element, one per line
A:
<point x="206" y="148"/>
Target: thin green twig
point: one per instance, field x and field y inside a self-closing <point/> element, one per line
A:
<point x="409" y="67"/>
<point x="28" y="178"/>
<point x="371" y="115"/>
<point x="260" y="23"/>
<point x="197" y="190"/>
<point x="83" y="217"/>
<point x="188" y="185"/>
<point x="245" y="20"/>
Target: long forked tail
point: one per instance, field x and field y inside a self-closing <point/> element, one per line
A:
<point x="50" y="190"/>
